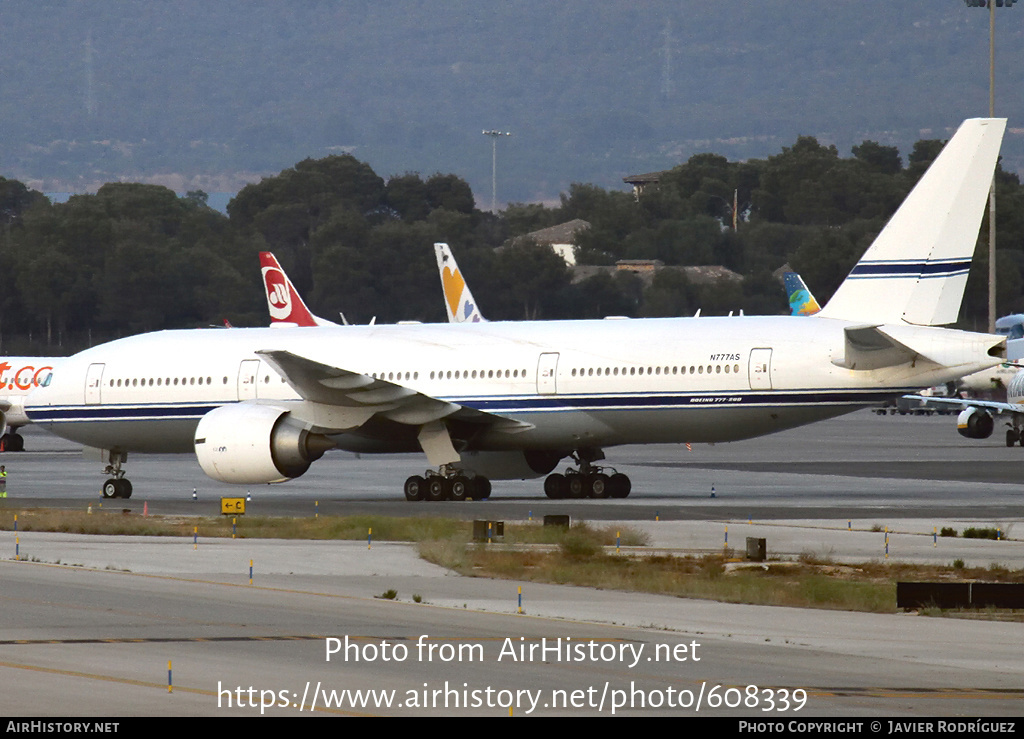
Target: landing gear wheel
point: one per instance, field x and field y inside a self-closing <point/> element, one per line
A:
<point x="577" y="486"/>
<point x="480" y="488"/>
<point x="600" y="486"/>
<point x="620" y="485"/>
<point x="459" y="487"/>
<point x="15" y="443"/>
<point x="555" y="486"/>
<point x="437" y="489"/>
<point x="111" y="488"/>
<point x="415" y="488"/>
<point x="124" y="488"/>
<point x="1012" y="437"/>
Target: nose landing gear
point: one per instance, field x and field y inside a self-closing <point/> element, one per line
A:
<point x="118" y="486"/>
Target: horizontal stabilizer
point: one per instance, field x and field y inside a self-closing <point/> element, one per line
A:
<point x="875" y="347"/>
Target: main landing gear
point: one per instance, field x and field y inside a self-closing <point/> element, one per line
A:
<point x="588" y="481"/>
<point x="447" y="484"/>
<point x="1014" y="435"/>
<point x="118" y="486"/>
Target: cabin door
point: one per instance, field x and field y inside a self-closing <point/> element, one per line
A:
<point x="760" y="369"/>
<point x="94" y="384"/>
<point x="247" y="372"/>
<point x="547" y="373"/>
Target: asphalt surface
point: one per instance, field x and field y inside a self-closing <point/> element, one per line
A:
<point x="88" y="627"/>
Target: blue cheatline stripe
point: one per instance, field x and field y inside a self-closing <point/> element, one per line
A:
<point x="515" y="404"/>
<point x="63" y="414"/>
<point x="906" y="268"/>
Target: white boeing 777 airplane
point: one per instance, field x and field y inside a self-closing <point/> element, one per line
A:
<point x="509" y="400"/>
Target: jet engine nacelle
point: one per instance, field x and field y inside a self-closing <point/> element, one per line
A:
<point x="510" y="465"/>
<point x="975" y="423"/>
<point x="249" y="444"/>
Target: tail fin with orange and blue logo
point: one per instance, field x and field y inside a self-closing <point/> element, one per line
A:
<point x="458" y="300"/>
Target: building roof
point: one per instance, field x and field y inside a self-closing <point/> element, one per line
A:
<point x="563" y="233"/>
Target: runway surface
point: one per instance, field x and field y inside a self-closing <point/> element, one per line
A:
<point x="858" y="466"/>
<point x="93" y="635"/>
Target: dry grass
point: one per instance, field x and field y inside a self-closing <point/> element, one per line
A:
<point x="581" y="555"/>
<point x="256" y="527"/>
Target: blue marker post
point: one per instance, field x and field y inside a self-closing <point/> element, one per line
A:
<point x="617" y="534"/>
<point x="250" y="572"/>
<point x="369" y="538"/>
<point x="520" y="608"/>
<point x="170" y="685"/>
<point x="935" y="536"/>
<point x="195" y="538"/>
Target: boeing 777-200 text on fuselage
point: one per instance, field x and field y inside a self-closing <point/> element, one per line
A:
<point x="508" y="400"/>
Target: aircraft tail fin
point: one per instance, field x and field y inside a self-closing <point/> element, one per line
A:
<point x="458" y="300"/>
<point x="283" y="300"/>
<point x="915" y="271"/>
<point x="801" y="302"/>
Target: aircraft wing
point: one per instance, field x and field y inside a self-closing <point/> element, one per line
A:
<point x="334" y="386"/>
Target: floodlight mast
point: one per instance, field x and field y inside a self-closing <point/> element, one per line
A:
<point x="494" y="166"/>
<point x="991" y="5"/>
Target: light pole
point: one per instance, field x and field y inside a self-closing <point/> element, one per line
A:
<point x="991" y="5"/>
<point x="494" y="166"/>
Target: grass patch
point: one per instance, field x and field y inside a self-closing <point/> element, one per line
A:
<point x="813" y="581"/>
<point x="581" y="555"/>
<point x="111" y="522"/>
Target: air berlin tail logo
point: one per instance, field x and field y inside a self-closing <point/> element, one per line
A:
<point x="278" y="298"/>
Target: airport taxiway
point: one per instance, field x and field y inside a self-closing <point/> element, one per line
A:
<point x="93" y="635"/>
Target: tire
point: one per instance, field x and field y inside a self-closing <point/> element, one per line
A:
<point x="124" y="488"/>
<point x="620" y="485"/>
<point x="555" y="486"/>
<point x="15" y="443"/>
<point x="437" y="489"/>
<point x="600" y="486"/>
<point x="415" y="488"/>
<point x="1011" y="437"/>
<point x="459" y="488"/>
<point x="480" y="488"/>
<point x="577" y="486"/>
<point x="111" y="489"/>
